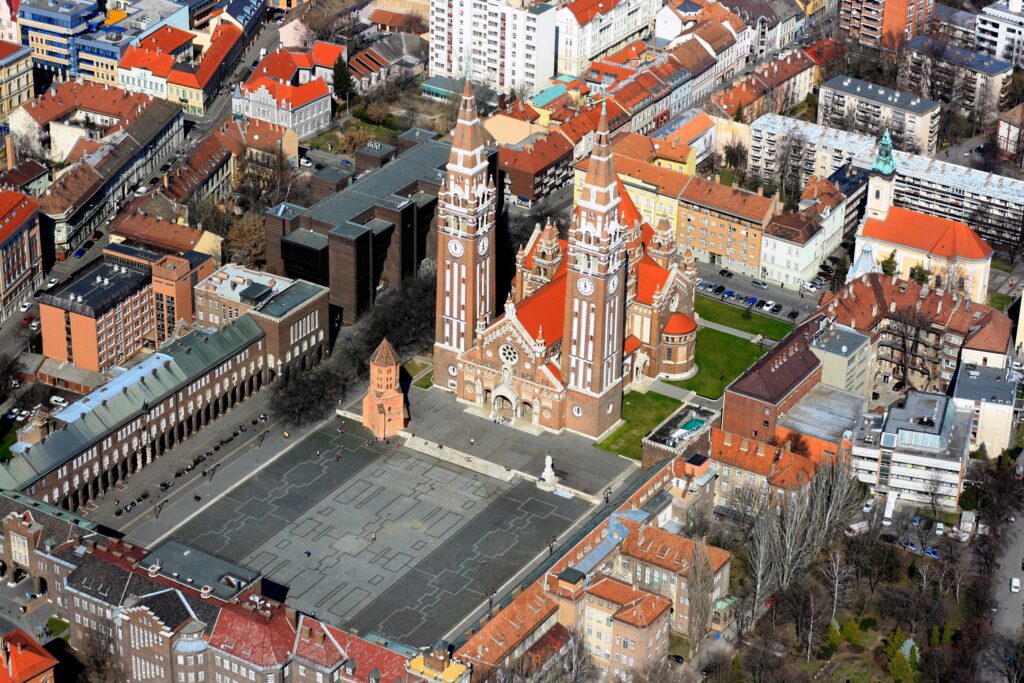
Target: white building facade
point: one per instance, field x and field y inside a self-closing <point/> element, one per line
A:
<point x="305" y="118"/>
<point x="587" y="30"/>
<point x="999" y="31"/>
<point x="505" y="44"/>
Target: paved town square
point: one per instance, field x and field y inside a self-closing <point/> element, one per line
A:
<point x="379" y="537"/>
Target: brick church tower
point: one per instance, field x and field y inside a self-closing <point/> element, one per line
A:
<point x="465" y="245"/>
<point x="384" y="403"/>
<point x="595" y="306"/>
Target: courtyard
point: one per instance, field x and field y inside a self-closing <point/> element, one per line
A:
<point x="721" y="358"/>
<point x="378" y="537"/>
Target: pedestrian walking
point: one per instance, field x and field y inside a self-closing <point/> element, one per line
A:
<point x="318" y="452"/>
<point x="197" y="498"/>
<point x="309" y="554"/>
<point x="373" y="537"/>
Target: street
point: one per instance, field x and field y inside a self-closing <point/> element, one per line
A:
<point x="790" y="299"/>
<point x="1010" y="613"/>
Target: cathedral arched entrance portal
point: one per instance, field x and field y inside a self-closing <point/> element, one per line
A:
<point x="640" y="366"/>
<point x="526" y="411"/>
<point x="503" y="408"/>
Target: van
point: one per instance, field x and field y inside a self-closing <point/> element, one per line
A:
<point x="856" y="529"/>
<point x="869" y="506"/>
<point x="59" y="401"/>
<point x="760" y="284"/>
<point x="1015" y="585"/>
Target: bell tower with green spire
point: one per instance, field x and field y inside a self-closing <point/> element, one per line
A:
<point x="882" y="183"/>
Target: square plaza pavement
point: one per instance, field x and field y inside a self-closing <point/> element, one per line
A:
<point x="436" y="416"/>
<point x="445" y="537"/>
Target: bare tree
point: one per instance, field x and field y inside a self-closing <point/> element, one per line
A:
<point x="247" y="240"/>
<point x="698" y="519"/>
<point x="99" y="659"/>
<point x="576" y="664"/>
<point x="808" y="608"/>
<point x="1005" y="657"/>
<point x="837" y="575"/>
<point x="762" y="569"/>
<point x="904" y="334"/>
<point x="699" y="586"/>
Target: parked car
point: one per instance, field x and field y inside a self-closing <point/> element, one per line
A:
<point x="97" y="235"/>
<point x="12" y="413"/>
<point x="725" y="272"/>
<point x="767" y="305"/>
<point x="759" y="304"/>
<point x="59" y="401"/>
<point x="793" y="315"/>
<point x="932" y="553"/>
<point x="34" y="326"/>
<point x="834" y="260"/>
<point x="141" y="190"/>
<point x="809" y="287"/>
<point x="52" y="282"/>
<point x="940" y="528"/>
<point x="719" y="289"/>
<point x="751" y="300"/>
<point x="728" y="294"/>
<point x="1015" y="585"/>
<point x="827" y="268"/>
<point x="27" y="320"/>
<point x="916" y="521"/>
<point x="869" y="506"/>
<point x="776" y="309"/>
<point x="1018" y="366"/>
<point x="80" y="252"/>
<point x="305" y="162"/>
<point x="22" y="415"/>
<point x="25" y="305"/>
<point x="88" y="244"/>
<point x="760" y="284"/>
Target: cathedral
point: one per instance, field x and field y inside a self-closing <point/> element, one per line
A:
<point x="609" y="307"/>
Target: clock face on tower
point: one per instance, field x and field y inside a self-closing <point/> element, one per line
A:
<point x="613" y="284"/>
<point x="585" y="286"/>
<point x="455" y="248"/>
<point x="482" y="245"/>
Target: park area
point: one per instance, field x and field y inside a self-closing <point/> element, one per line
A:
<point x="742" y="319"/>
<point x="721" y="358"/>
<point x="641" y="413"/>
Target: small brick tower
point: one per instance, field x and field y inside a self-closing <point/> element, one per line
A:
<point x="384" y="403"/>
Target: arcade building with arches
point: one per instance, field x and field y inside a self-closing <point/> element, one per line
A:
<point x="608" y="307"/>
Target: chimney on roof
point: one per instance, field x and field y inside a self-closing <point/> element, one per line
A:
<point x="11" y="153"/>
<point x="760" y="191"/>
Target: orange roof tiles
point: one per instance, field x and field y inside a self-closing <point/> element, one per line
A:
<point x="514" y="624"/>
<point x="586" y="10"/>
<point x="651" y="279"/>
<point x="8" y="48"/>
<point x="166" y="40"/>
<point x="26" y="659"/>
<point x="71" y="96"/>
<point x="15" y="209"/>
<point x="157" y="63"/>
<point x="390" y="19"/>
<point x="822" y="191"/>
<point x="664" y="549"/>
<point x="277" y="70"/>
<point x="635" y="607"/>
<point x="152" y="231"/>
<point x="221" y="43"/>
<point x="631" y="53"/>
<point x="535" y="156"/>
<point x="680" y="323"/>
<point x="692" y="129"/>
<point x="865" y="303"/>
<point x="261" y="640"/>
<point x="782" y="467"/>
<point x="542" y="313"/>
<point x="825" y="51"/>
<point x="934" y="235"/>
<point x="731" y="200"/>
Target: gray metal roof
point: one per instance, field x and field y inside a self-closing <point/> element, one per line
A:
<point x="825" y="412"/>
<point x="886" y="97"/>
<point x="192" y="356"/>
<point x="287" y="301"/>
<point x="392" y="186"/>
<point x="98" y="290"/>
<point x="180" y="562"/>
<point x="306" y="238"/>
<point x="984" y="383"/>
<point x="839" y="340"/>
<point x="969" y="59"/>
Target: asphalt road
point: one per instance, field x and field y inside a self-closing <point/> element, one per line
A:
<point x="789" y="298"/>
<point x="1010" y="616"/>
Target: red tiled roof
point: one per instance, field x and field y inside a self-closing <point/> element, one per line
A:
<point x="514" y="624"/>
<point x="631" y="52"/>
<point x="82" y="148"/>
<point x="680" y="323"/>
<point x="277" y="70"/>
<point x="253" y="637"/>
<point x="664" y="549"/>
<point x="326" y="54"/>
<point x="7" y="48"/>
<point x="290" y="96"/>
<point x="931" y="234"/>
<point x="732" y="200"/>
<point x="825" y="51"/>
<point x="388" y="18"/>
<point x="778" y="464"/>
<point x="542" y="313"/>
<point x="586" y="10"/>
<point x="221" y="43"/>
<point x="548" y="646"/>
<point x="27" y="659"/>
<point x="631" y="344"/>
<point x="692" y="129"/>
<point x="369" y="656"/>
<point x="152" y="231"/>
<point x="158" y="64"/>
<point x="651" y="279"/>
<point x="636" y="607"/>
<point x="166" y="40"/>
<point x="536" y="156"/>
<point x="71" y="96"/>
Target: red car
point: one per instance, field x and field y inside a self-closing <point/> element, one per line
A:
<point x="771" y="601"/>
<point x="27" y="320"/>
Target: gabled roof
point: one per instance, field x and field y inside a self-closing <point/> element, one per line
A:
<point x="222" y="42"/>
<point x="636" y="607"/>
<point x="664" y="549"/>
<point x="780" y="371"/>
<point x="167" y="39"/>
<point x="26" y="659"/>
<point x="265" y="641"/>
<point x="157" y="63"/>
<point x="778" y="464"/>
<point x="934" y="235"/>
<point x="16" y="209"/>
<point x="71" y="96"/>
<point x="586" y="10"/>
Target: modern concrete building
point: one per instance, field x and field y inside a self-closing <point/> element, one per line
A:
<point x="813" y="148"/>
<point x="999" y="31"/>
<point x="884" y="24"/>
<point x="846" y="356"/>
<point x="507" y="45"/>
<point x="978" y="82"/>
<point x="52" y="31"/>
<point x="851" y="104"/>
<point x="917" y="452"/>
<point x="990" y="394"/>
<point x="1010" y="135"/>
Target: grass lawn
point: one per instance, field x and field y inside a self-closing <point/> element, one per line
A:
<point x="678" y="645"/>
<point x="378" y="132"/>
<point x="721" y="358"/>
<point x="641" y="413"/>
<point x="1000" y="301"/>
<point x="57" y="626"/>
<point x="1002" y="265"/>
<point x="415" y="367"/>
<point x="321" y="141"/>
<point x="8" y="435"/>
<point x="727" y="176"/>
<point x="732" y="316"/>
<point x="426" y="381"/>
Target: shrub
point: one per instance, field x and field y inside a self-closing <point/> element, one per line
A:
<point x="868" y="624"/>
<point x="851" y="632"/>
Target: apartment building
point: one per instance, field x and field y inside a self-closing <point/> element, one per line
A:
<point x="1010" y="135"/>
<point x="884" y="24"/>
<point x="291" y="89"/>
<point x="917" y="452"/>
<point x="140" y="228"/>
<point x="774" y="87"/>
<point x="507" y="45"/>
<point x="626" y="628"/>
<point x="776" y="24"/>
<point x="958" y="26"/>
<point x="979" y="83"/>
<point x="712" y="25"/>
<point x="293" y="313"/>
<point x="21" y="251"/>
<point x="107" y="314"/>
<point x="846" y="357"/>
<point x="795" y="243"/>
<point x="944" y="329"/>
<point x="815" y="149"/>
<point x="990" y="394"/>
<point x="851" y="104"/>
<point x="52" y="30"/>
<point x="15" y="77"/>
<point x="999" y="31"/>
<point x="587" y="30"/>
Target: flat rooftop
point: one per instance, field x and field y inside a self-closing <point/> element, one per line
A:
<point x="287" y="301"/>
<point x="986" y="384"/>
<point x="243" y="285"/>
<point x="839" y="340"/>
<point x="196" y="568"/>
<point x="826" y="413"/>
<point x="97" y="290"/>
<point x="886" y="97"/>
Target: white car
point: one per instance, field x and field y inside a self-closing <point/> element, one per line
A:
<point x="25" y="305"/>
<point x="940" y="528"/>
<point x="59" y="401"/>
<point x="305" y="162"/>
<point x="1018" y="366"/>
<point x="767" y="305"/>
<point x="52" y="282"/>
<point x="141" y="190"/>
<point x="1015" y="585"/>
